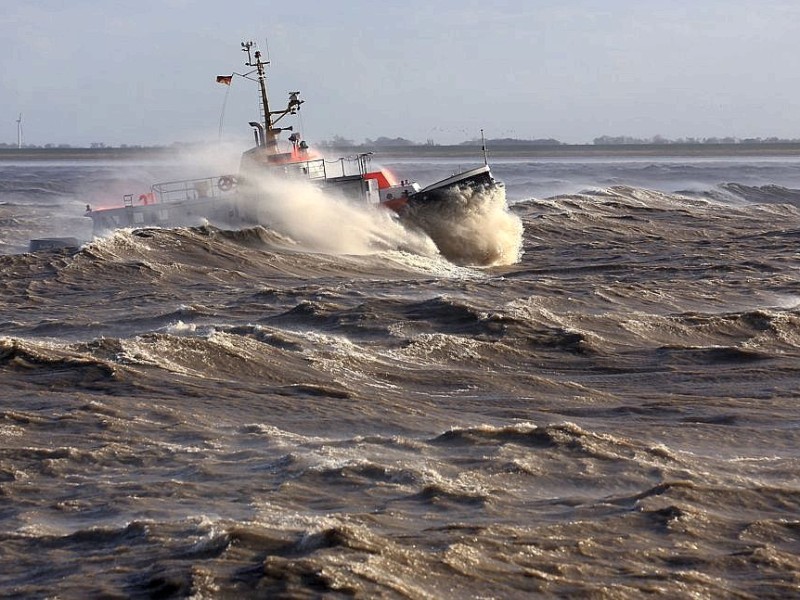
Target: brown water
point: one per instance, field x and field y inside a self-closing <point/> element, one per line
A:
<point x="219" y="414"/>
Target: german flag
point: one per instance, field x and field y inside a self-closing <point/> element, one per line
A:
<point x="226" y="79"/>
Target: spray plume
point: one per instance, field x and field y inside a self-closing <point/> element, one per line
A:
<point x="471" y="227"/>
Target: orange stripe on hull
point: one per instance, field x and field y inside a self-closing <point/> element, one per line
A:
<point x="383" y="177"/>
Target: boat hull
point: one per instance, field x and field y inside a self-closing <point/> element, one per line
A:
<point x="478" y="179"/>
<point x="177" y="204"/>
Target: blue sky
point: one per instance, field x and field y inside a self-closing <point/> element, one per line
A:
<point x="143" y="72"/>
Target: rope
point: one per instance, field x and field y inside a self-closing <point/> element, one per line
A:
<point x="302" y="125"/>
<point x="222" y="113"/>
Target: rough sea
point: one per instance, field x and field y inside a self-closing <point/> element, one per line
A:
<point x="594" y="396"/>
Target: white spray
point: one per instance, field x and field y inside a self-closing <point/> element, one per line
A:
<point x="472" y="227"/>
<point x="322" y="221"/>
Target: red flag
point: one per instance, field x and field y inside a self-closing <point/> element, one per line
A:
<point x="226" y="79"/>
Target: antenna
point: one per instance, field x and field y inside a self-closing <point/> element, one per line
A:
<point x="271" y="139"/>
<point x="19" y="132"/>
<point x="483" y="146"/>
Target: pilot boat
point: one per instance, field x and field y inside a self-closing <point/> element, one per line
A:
<point x="239" y="199"/>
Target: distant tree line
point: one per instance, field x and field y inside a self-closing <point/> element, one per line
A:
<point x="2" y="145"/>
<point x="338" y="141"/>
<point x="609" y="140"/>
<point x="514" y="142"/>
<point x="96" y="145"/>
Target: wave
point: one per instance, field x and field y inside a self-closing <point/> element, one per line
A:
<point x="52" y="364"/>
<point x="568" y="438"/>
<point x="764" y="194"/>
<point x="196" y="411"/>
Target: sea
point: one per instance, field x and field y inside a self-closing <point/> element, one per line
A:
<point x="591" y="392"/>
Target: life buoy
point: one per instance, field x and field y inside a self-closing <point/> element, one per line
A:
<point x="145" y="198"/>
<point x="226" y="183"/>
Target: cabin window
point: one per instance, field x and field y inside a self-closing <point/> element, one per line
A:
<point x="163" y="214"/>
<point x="138" y="218"/>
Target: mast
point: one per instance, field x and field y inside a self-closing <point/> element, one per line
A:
<point x="270" y="132"/>
<point x="271" y="140"/>
<point x="19" y="131"/>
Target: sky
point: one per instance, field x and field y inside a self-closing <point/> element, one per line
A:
<point x="124" y="72"/>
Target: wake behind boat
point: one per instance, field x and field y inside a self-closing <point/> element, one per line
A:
<point x="237" y="200"/>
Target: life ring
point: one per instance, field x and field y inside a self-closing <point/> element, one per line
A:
<point x="144" y="199"/>
<point x="226" y="183"/>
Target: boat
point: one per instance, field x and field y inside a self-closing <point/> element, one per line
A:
<point x="234" y="200"/>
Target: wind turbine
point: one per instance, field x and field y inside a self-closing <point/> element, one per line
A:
<point x="19" y="131"/>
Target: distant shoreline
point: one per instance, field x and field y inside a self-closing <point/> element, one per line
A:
<point x="8" y="154"/>
<point x="591" y="150"/>
<point x="458" y="151"/>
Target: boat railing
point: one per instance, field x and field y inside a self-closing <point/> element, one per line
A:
<point x="193" y="189"/>
<point x="309" y="169"/>
<point x="353" y="165"/>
